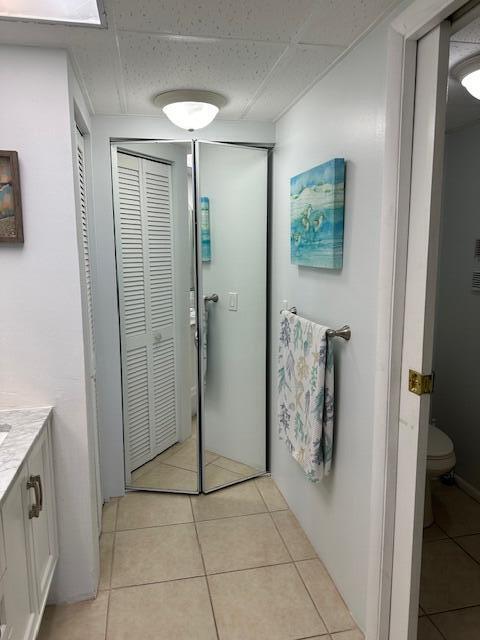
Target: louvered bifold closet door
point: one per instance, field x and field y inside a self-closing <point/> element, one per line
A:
<point x="158" y="198"/>
<point x="85" y="245"/>
<point x="145" y="278"/>
<point x="87" y="270"/>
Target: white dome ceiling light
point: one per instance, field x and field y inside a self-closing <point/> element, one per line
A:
<point x="190" y="108"/>
<point x="468" y="73"/>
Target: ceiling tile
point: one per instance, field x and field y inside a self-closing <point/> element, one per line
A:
<point x="290" y="78"/>
<point x="340" y="22"/>
<point x="470" y="33"/>
<point x="96" y="64"/>
<point x="460" y="51"/>
<point x="92" y="49"/>
<point x="274" y="20"/>
<point x="152" y="64"/>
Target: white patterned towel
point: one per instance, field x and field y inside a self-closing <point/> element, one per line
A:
<point x="306" y="393"/>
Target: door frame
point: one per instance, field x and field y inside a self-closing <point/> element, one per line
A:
<point x="406" y="29"/>
<point x="117" y="145"/>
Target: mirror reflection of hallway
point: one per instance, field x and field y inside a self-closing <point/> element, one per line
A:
<point x="233" y="187"/>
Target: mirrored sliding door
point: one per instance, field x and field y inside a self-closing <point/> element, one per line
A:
<point x="231" y="196"/>
<point x="153" y="196"/>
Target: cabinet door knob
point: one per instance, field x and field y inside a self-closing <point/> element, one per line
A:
<point x="35" y="483"/>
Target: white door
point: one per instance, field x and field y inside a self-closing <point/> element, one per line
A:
<point x="88" y="301"/>
<point x="43" y="527"/>
<point x="143" y="219"/>
<point x="425" y="203"/>
<point x="20" y="602"/>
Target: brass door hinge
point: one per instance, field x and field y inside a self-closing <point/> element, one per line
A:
<point x="420" y="383"/>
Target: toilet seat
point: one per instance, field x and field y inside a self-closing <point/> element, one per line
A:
<point x="440" y="461"/>
<point x="440" y="446"/>
<point x="440" y="454"/>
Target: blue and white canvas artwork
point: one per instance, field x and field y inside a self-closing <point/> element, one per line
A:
<point x="317" y="215"/>
<point x="205" y="229"/>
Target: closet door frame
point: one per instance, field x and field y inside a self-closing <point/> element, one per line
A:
<point x="199" y="309"/>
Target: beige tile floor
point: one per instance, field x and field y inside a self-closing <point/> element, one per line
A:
<point x="450" y="580"/>
<point x="176" y="468"/>
<point x="232" y="565"/>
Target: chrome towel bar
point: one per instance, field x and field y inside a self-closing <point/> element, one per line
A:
<point x="344" y="332"/>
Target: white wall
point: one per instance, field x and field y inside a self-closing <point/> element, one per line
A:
<point x="343" y="115"/>
<point x="106" y="312"/>
<point x="41" y="335"/>
<point x="235" y="181"/>
<point x="456" y="398"/>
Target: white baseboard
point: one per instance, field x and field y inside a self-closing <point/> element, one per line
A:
<point x="472" y="491"/>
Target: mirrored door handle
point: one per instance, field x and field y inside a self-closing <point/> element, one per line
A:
<point x="157" y="337"/>
<point x="213" y="297"/>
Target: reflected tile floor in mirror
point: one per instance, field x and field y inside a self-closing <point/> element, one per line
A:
<point x="231" y="565"/>
<point x="176" y="468"/>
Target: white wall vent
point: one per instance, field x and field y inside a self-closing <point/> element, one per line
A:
<point x="476" y="281"/>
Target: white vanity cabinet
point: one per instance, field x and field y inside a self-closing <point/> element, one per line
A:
<point x="30" y="541"/>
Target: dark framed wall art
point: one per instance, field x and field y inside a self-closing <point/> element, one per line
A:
<point x="11" y="226"/>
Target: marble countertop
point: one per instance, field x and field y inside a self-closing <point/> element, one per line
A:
<point x="19" y="430"/>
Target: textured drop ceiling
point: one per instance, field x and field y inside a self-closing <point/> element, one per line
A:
<point x="261" y="54"/>
<point x="462" y="108"/>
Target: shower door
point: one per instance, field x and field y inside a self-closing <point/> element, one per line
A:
<point x="232" y="257"/>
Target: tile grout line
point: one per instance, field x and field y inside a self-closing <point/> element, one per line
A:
<point x="435" y="626"/>
<point x="243" y="515"/>
<point x="156" y="526"/>
<point x="465" y="535"/>
<point x="467" y="553"/>
<point x="108" y="589"/>
<point x="170" y="524"/>
<point x="300" y="575"/>
<point x="176" y="466"/>
<point x="454" y="540"/>
<point x="201" y="575"/>
<point x="107" y="614"/>
<point x="205" y="571"/>
<point x="172" y="453"/>
<point x="293" y="561"/>
<point x="438" y="613"/>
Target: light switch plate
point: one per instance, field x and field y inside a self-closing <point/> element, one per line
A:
<point x="233" y="301"/>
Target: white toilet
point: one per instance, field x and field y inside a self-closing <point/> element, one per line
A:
<point x="440" y="461"/>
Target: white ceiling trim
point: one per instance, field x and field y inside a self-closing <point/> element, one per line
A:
<point x="198" y="38"/>
<point x="327" y="70"/>
<point x="286" y="54"/>
<point x="81" y="81"/>
<point x="119" y="78"/>
<point x="282" y="59"/>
